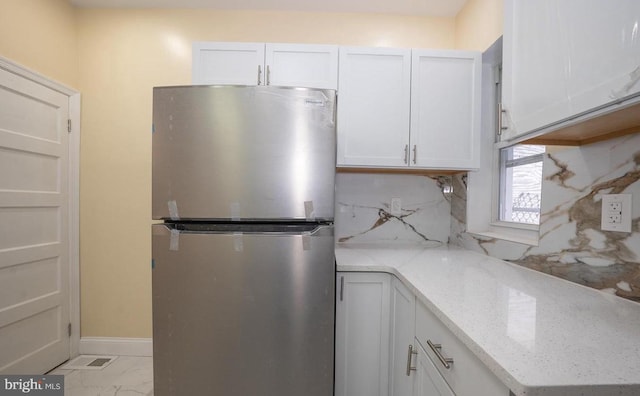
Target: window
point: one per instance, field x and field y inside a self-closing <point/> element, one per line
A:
<point x="520" y="183"/>
<point x="503" y="196"/>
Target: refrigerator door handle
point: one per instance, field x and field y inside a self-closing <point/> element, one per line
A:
<point x="306" y="230"/>
<point x="319" y="229"/>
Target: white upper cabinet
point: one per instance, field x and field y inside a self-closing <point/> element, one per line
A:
<point x="397" y="108"/>
<point x="409" y="109"/>
<point x="301" y="65"/>
<point x="373" y="107"/>
<point x="293" y="65"/>
<point x="228" y="63"/>
<point x="445" y="109"/>
<point x="566" y="58"/>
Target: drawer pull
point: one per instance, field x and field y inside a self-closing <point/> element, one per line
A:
<point x="409" y="353"/>
<point x="446" y="362"/>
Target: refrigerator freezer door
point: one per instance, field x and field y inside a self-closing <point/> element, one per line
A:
<point x="243" y="314"/>
<point x="243" y="153"/>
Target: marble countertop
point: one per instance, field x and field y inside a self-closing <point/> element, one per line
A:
<point x="540" y="335"/>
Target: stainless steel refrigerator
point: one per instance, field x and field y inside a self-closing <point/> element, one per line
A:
<point x="243" y="270"/>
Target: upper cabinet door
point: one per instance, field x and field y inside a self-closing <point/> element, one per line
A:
<point x="565" y="58"/>
<point x="373" y="106"/>
<point x="290" y="65"/>
<point x="301" y="65"/>
<point x="228" y="63"/>
<point x="445" y="109"/>
<point x="534" y="88"/>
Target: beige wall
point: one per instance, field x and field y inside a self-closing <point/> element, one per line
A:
<point x="41" y="35"/>
<point x="479" y="24"/>
<point x="122" y="55"/>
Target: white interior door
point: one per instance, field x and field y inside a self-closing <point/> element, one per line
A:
<point x="34" y="226"/>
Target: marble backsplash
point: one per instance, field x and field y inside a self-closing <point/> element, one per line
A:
<point x="364" y="215"/>
<point x="571" y="244"/>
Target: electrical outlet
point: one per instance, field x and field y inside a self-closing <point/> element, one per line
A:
<point x="615" y="206"/>
<point x="396" y="206"/>
<point x="615" y="218"/>
<point x="616" y="212"/>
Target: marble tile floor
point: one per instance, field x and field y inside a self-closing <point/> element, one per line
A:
<point x="125" y="376"/>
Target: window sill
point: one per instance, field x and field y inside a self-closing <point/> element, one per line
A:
<point x="518" y="233"/>
<point x="519" y="226"/>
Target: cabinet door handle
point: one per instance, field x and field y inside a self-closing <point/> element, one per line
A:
<point x="341" y="287"/>
<point x="268" y="75"/>
<point x="415" y="153"/>
<point x="501" y="112"/>
<point x="259" y="74"/>
<point x="410" y="352"/>
<point x="406" y="153"/>
<point x="446" y="362"/>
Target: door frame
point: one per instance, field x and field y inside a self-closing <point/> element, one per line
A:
<point x="74" y="190"/>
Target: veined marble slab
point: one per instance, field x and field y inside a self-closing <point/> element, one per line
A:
<point x="364" y="214"/>
<point x="571" y="244"/>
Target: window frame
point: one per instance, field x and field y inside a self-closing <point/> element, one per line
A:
<point x="482" y="185"/>
<point x="486" y="184"/>
<point x="504" y="188"/>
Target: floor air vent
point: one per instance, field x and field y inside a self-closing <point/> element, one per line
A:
<point x="88" y="362"/>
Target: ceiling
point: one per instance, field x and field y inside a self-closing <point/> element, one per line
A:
<point x="442" y="8"/>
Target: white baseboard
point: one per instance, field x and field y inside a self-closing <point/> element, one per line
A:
<point x="116" y="346"/>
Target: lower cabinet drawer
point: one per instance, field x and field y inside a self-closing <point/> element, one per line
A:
<point x="428" y="381"/>
<point x="465" y="374"/>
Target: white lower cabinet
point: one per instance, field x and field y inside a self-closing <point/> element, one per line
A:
<point x="403" y="309"/>
<point x="411" y="370"/>
<point x="362" y="334"/>
<point x="388" y="343"/>
<point x="465" y="374"/>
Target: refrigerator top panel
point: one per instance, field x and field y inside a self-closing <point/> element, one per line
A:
<point x="240" y="153"/>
